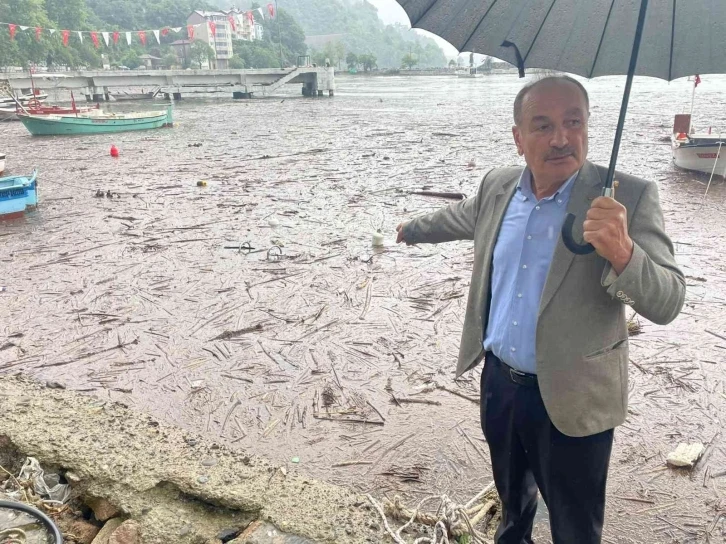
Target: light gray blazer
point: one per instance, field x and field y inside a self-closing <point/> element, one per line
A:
<point x="582" y="336"/>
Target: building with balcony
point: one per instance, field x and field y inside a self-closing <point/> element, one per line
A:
<point x="220" y="42"/>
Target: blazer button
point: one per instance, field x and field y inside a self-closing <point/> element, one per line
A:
<point x="620" y="294"/>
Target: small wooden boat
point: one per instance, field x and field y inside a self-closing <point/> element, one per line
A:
<point x="2" y="162"/>
<point x="95" y="122"/>
<point x="695" y="151"/>
<point x="23" y="99"/>
<point x="37" y="108"/>
<point x="18" y="194"/>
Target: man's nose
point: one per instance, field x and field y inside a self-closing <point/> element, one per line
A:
<point x="559" y="138"/>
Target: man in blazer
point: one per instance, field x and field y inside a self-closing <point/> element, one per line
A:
<point x="549" y="324"/>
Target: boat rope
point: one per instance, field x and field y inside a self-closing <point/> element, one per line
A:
<point x="450" y="518"/>
<point x="715" y="161"/>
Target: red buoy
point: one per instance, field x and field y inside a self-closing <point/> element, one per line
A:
<point x="114" y="151"/>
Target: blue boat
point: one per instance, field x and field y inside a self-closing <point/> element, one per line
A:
<point x="18" y="194"/>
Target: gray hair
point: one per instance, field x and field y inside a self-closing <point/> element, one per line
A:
<point x="550" y="78"/>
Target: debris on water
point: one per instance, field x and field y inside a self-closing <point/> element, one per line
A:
<point x="378" y="239"/>
<point x="634" y="326"/>
<point x="202" y="183"/>
<point x="295" y="459"/>
<point x="685" y="455"/>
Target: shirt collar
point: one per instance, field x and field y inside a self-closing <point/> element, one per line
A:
<point x="524" y="188"/>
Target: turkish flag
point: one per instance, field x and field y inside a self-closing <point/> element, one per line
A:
<point x="190" y="31"/>
<point x="12" y="28"/>
<point x="165" y="31"/>
<point x="142" y="36"/>
<point x="65" y="34"/>
<point x="696" y="81"/>
<point x="213" y="28"/>
<point x="94" y="38"/>
<point x="230" y="18"/>
<point x="115" y="37"/>
<point x="271" y="10"/>
<point x="38" y="32"/>
<point x="250" y="17"/>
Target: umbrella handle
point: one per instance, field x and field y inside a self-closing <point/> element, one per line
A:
<point x="569" y="241"/>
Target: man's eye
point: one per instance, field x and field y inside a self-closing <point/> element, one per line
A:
<point x="575" y="122"/>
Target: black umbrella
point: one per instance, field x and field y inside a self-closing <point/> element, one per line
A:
<point x="668" y="39"/>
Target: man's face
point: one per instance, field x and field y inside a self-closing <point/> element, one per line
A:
<point x="552" y="131"/>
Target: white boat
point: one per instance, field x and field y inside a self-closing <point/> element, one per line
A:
<point x="8" y="114"/>
<point x="468" y="73"/>
<point x="2" y="163"/>
<point x="700" y="152"/>
<point x="6" y="101"/>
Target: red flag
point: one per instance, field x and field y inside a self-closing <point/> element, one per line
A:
<point x="250" y="17"/>
<point x="65" y="34"/>
<point x="142" y="36"/>
<point x="115" y="38"/>
<point x="230" y="18"/>
<point x="190" y="31"/>
<point x="165" y="31"/>
<point x="12" y="28"/>
<point x="271" y="10"/>
<point x="696" y="81"/>
<point x="213" y="28"/>
<point x="94" y="38"/>
<point x="38" y="32"/>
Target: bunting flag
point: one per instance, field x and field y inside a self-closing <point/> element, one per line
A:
<point x="66" y="34"/>
<point x="116" y="35"/>
<point x="232" y="24"/>
<point x="105" y="38"/>
<point x="80" y="35"/>
<point x="262" y="14"/>
<point x="12" y="28"/>
<point x="165" y="31"/>
<point x="250" y="17"/>
<point x="213" y="28"/>
<point x="23" y="28"/>
<point x="38" y="32"/>
<point x="190" y="31"/>
<point x="52" y="31"/>
<point x="696" y="81"/>
<point x="271" y="10"/>
<point x="177" y="29"/>
<point x="142" y="36"/>
<point x="128" y="38"/>
<point x="156" y="35"/>
<point x="94" y="39"/>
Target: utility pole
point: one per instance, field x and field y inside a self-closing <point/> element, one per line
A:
<point x="279" y="34"/>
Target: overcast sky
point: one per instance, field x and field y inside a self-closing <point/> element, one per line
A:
<point x="391" y="12"/>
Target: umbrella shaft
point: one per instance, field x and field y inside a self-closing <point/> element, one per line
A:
<point x="626" y="94"/>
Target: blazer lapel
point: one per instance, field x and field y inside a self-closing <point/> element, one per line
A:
<point x="588" y="186"/>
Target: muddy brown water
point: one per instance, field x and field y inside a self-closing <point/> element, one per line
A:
<point x="138" y="299"/>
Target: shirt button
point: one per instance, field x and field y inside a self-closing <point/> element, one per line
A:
<point x="529" y="237"/>
<point x="514" y="349"/>
<point x="519" y="295"/>
<point x="514" y="323"/>
<point x="536" y="207"/>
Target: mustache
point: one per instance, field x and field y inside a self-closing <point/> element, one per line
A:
<point x="560" y="153"/>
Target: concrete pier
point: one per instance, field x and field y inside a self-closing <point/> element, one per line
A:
<point x="250" y="83"/>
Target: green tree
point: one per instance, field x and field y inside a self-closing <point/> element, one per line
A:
<point x="131" y="59"/>
<point x="352" y="60"/>
<point x="169" y="60"/>
<point x="72" y="14"/>
<point x="236" y="63"/>
<point x="200" y="53"/>
<point x="452" y="64"/>
<point x="409" y="61"/>
<point x="368" y="61"/>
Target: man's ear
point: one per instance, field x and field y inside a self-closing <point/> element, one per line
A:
<point x="518" y="139"/>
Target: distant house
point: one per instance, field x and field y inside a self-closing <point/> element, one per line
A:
<point x="182" y="50"/>
<point x="150" y="62"/>
<point x="220" y="42"/>
<point x="244" y="29"/>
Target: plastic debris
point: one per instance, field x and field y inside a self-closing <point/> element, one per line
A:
<point x="685" y="455"/>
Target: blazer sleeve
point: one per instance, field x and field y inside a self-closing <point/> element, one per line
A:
<point x="651" y="283"/>
<point x="455" y="222"/>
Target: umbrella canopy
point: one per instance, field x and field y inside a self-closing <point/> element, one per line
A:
<point x="589" y="38"/>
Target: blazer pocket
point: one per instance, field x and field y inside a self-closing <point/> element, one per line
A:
<point x="606" y="350"/>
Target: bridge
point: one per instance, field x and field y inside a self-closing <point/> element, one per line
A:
<point x="96" y="85"/>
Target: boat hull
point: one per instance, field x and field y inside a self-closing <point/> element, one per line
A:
<point x="2" y="163"/>
<point x="700" y="158"/>
<point x="18" y="194"/>
<point x="90" y="124"/>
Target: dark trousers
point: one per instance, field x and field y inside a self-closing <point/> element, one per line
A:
<point x="528" y="452"/>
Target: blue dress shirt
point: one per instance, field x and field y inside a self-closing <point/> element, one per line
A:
<point x="522" y="256"/>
